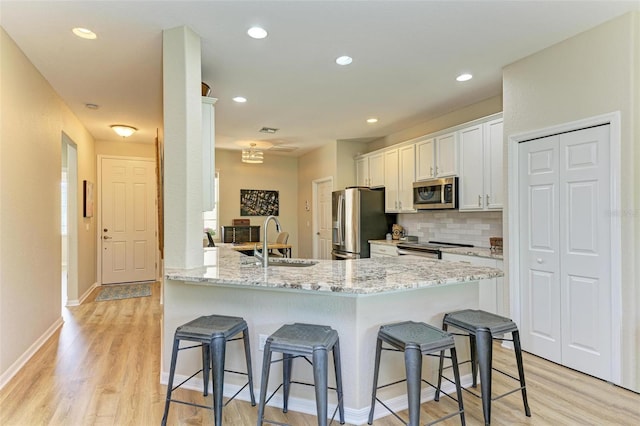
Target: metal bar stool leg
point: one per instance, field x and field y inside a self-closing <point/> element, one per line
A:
<point x="518" y="351"/>
<point x="218" y="346"/>
<point x="247" y="355"/>
<point x="172" y="372"/>
<point x="266" y="366"/>
<point x="484" y="346"/>
<point x="287" y="364"/>
<point x="206" y="365"/>
<point x="474" y="359"/>
<point x="320" y="366"/>
<point x="456" y="376"/>
<point x="440" y="368"/>
<point x="338" y="372"/>
<point x="376" y="370"/>
<point x="413" y="368"/>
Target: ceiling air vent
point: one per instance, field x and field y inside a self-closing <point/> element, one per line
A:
<point x="268" y="130"/>
<point x="282" y="148"/>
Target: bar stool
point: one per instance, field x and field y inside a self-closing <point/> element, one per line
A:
<point x="212" y="332"/>
<point x="300" y="341"/>
<point x="482" y="327"/>
<point x="415" y="339"/>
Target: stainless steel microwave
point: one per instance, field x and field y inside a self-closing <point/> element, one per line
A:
<point x="436" y="194"/>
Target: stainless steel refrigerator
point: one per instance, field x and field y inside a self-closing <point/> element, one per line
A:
<point x="357" y="217"/>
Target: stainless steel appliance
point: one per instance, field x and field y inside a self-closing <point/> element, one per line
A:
<point x="436" y="194"/>
<point x="432" y="249"/>
<point x="357" y="217"/>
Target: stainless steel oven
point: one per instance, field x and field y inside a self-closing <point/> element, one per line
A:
<point x="432" y="249"/>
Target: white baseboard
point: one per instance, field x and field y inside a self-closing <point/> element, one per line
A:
<point x="78" y="302"/>
<point x="308" y="406"/>
<point x="26" y="356"/>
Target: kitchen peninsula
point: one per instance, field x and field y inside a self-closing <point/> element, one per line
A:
<point x="354" y="297"/>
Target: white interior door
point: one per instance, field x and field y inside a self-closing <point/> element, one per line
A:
<point x="565" y="249"/>
<point x="539" y="240"/>
<point x="322" y="218"/>
<point x="128" y="220"/>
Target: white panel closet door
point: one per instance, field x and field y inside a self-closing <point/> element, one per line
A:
<point x="539" y="241"/>
<point x="586" y="251"/>
<point x="565" y="249"/>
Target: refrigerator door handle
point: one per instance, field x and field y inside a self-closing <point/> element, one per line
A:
<point x="344" y="256"/>
<point x="341" y="220"/>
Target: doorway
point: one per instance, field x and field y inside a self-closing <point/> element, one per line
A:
<point x="69" y="222"/>
<point x="127" y="218"/>
<point x="321" y="194"/>
<point x="565" y="244"/>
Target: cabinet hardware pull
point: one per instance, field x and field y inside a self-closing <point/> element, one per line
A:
<point x="479" y="200"/>
<point x="431" y="171"/>
<point x="436" y="170"/>
<point x="487" y="200"/>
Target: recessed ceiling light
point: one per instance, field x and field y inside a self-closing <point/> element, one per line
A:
<point x="372" y="120"/>
<point x="257" y="32"/>
<point x="464" y="77"/>
<point x="84" y="33"/>
<point x="240" y="99"/>
<point x="344" y="60"/>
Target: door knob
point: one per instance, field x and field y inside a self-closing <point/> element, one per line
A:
<point x="539" y="260"/>
<point x="106" y="237"/>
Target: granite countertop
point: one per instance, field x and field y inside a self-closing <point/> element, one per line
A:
<point x="224" y="266"/>
<point x="475" y="251"/>
<point x="386" y="242"/>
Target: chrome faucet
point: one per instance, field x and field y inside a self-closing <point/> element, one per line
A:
<point x="263" y="256"/>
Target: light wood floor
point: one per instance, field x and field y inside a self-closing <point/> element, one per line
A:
<point x="103" y="368"/>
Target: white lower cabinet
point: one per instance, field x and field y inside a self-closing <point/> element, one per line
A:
<point x="382" y="250"/>
<point x="490" y="291"/>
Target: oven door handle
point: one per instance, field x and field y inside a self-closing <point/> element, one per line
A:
<point x="430" y="254"/>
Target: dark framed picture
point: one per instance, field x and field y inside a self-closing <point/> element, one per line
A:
<point x="258" y="202"/>
<point x="87" y="202"/>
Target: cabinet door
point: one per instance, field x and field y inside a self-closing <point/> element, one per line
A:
<point x="362" y="171"/>
<point x="446" y="155"/>
<point x="406" y="172"/>
<point x="391" y="181"/>
<point x="376" y="170"/>
<point x="471" y="182"/>
<point x="424" y="160"/>
<point x="493" y="160"/>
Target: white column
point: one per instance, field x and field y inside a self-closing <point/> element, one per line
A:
<point x="182" y="148"/>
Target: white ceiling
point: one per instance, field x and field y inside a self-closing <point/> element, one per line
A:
<point x="406" y="57"/>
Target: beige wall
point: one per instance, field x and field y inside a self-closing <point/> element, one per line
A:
<point x="126" y="149"/>
<point x="317" y="164"/>
<point x="277" y="173"/>
<point x="593" y="73"/>
<point x="33" y="120"/>
<point x="472" y="112"/>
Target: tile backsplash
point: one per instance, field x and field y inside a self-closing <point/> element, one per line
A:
<point x="453" y="226"/>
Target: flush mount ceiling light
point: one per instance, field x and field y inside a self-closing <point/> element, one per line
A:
<point x="372" y="120"/>
<point x="464" y="77"/>
<point x="123" y="130"/>
<point x="240" y="99"/>
<point x="344" y="60"/>
<point x="84" y="33"/>
<point x="257" y="32"/>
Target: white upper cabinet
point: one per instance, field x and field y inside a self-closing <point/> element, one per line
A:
<point x="446" y="155"/>
<point x="480" y="183"/>
<point x="376" y="170"/>
<point x="436" y="157"/>
<point x="399" y="174"/>
<point x="370" y="170"/>
<point x="425" y="164"/>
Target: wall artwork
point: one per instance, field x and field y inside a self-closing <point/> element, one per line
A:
<point x="258" y="202"/>
<point x="87" y="205"/>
